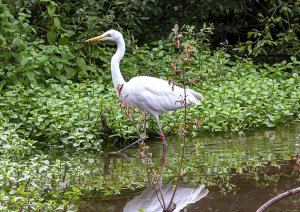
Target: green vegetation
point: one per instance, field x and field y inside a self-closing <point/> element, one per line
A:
<point x="239" y="96"/>
<point x="58" y="179"/>
<point x="56" y="90"/>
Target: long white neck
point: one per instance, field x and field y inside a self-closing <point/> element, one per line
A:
<point x="115" y="64"/>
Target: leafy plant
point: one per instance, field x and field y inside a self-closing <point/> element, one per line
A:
<point x="63" y="179"/>
<point x="278" y="31"/>
<point x="239" y="96"/>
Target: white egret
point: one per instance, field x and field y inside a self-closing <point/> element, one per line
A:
<point x="150" y="95"/>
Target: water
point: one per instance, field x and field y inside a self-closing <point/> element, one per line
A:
<point x="241" y="172"/>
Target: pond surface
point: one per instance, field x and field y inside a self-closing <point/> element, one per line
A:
<point x="241" y="172"/>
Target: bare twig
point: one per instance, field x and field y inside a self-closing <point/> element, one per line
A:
<point x="278" y="198"/>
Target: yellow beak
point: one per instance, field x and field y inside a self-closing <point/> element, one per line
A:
<point x="95" y="38"/>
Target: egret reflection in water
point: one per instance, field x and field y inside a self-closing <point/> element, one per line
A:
<point x="148" y="200"/>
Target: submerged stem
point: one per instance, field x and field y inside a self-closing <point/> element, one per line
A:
<point x="183" y="146"/>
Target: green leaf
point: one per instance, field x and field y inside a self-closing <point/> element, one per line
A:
<point x="249" y="48"/>
<point x="62" y="78"/>
<point x="51" y="36"/>
<point x="70" y="72"/>
<point x="62" y="41"/>
<point x="30" y="75"/>
<point x="47" y="69"/>
<point x="59" y="66"/>
<point x="3" y="137"/>
<point x="51" y="10"/>
<point x="269" y="123"/>
<point x="75" y="189"/>
<point x="57" y="22"/>
<point x="14" y="116"/>
<point x="24" y="61"/>
<point x="76" y="198"/>
<point x="91" y="68"/>
<point x="80" y="62"/>
<point x="6" y="146"/>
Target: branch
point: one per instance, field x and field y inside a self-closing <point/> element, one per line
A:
<point x="278" y="198"/>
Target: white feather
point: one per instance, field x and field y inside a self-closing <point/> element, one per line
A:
<point x="148" y="201"/>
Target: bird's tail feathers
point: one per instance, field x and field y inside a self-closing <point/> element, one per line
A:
<point x="201" y="193"/>
<point x="197" y="95"/>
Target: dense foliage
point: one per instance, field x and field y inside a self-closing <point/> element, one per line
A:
<point x="239" y="95"/>
<point x="42" y="39"/>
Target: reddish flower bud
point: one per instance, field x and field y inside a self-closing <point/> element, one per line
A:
<point x="188" y="51"/>
<point x="164" y="161"/>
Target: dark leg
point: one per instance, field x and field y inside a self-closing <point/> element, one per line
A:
<point x="130" y="145"/>
<point x="137" y="129"/>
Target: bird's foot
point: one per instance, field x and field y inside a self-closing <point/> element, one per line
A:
<point x="130" y="145"/>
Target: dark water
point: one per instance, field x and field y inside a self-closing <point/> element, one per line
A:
<point x="241" y="172"/>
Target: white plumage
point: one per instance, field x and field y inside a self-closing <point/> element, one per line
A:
<point x="148" y="94"/>
<point x="148" y="201"/>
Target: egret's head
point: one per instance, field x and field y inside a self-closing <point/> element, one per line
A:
<point x="112" y="35"/>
